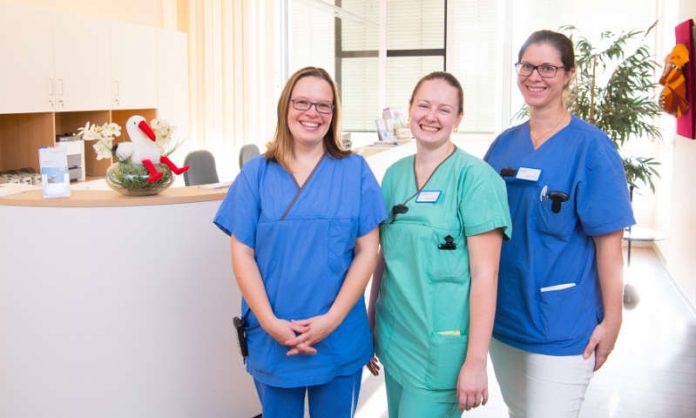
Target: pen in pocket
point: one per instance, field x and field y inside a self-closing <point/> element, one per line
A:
<point x="557" y="287"/>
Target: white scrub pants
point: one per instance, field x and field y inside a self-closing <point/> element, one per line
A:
<point x="538" y="385"/>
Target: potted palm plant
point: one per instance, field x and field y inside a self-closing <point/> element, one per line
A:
<point x="615" y="91"/>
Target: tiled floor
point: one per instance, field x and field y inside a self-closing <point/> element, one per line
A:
<point x="651" y="373"/>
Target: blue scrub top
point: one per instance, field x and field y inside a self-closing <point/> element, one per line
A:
<point x="549" y="298"/>
<point x="303" y="256"/>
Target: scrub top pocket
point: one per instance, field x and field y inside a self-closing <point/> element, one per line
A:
<point x="447" y="265"/>
<point x="560" y="310"/>
<point x="447" y="354"/>
<point x="342" y="236"/>
<point x="560" y="224"/>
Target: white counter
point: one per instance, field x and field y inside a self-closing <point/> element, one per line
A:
<point x="118" y="311"/>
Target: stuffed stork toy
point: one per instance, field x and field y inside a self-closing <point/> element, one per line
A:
<point x="143" y="149"/>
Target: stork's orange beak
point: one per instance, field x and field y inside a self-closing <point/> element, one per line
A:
<point x="148" y="131"/>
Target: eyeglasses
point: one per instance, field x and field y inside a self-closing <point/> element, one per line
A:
<point x="303" y="105"/>
<point x="526" y="69"/>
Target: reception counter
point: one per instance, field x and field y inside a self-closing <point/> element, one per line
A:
<point x="109" y="198"/>
<point x="115" y="307"/>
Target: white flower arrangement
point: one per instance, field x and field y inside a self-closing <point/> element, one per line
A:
<point x="104" y="136"/>
<point x="163" y="132"/>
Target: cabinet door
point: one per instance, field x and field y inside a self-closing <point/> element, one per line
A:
<point x="26" y="73"/>
<point x="172" y="80"/>
<point x="134" y="66"/>
<point x="82" y="67"/>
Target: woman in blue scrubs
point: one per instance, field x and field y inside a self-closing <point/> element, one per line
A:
<point x="441" y="246"/>
<point x="560" y="289"/>
<point x="303" y="223"/>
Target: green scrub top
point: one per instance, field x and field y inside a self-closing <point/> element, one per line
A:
<point x="422" y="313"/>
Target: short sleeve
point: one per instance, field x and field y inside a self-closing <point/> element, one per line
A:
<point x="387" y="187"/>
<point x="372" y="207"/>
<point x="487" y="157"/>
<point x="603" y="204"/>
<point x="239" y="212"/>
<point x="483" y="204"/>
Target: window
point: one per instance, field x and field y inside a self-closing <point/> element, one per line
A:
<point x="415" y="45"/>
<point x="419" y="36"/>
<point x="475" y="57"/>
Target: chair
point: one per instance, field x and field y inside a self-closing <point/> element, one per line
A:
<point x="247" y="152"/>
<point x="203" y="170"/>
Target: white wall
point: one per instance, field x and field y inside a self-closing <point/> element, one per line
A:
<point x="146" y="12"/>
<point x="679" y="207"/>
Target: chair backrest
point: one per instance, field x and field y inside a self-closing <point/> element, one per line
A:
<point x="247" y="152"/>
<point x="203" y="170"/>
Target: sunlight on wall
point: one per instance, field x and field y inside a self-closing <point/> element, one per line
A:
<point x="145" y="12"/>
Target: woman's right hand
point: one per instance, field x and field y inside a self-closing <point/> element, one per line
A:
<point x="282" y="331"/>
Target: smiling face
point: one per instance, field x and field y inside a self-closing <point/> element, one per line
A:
<point x="538" y="92"/>
<point x="434" y="112"/>
<point x="309" y="127"/>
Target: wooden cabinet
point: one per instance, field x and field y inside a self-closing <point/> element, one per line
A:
<point x="81" y="62"/>
<point x="54" y="61"/>
<point x="26" y="73"/>
<point x="61" y="71"/>
<point x="22" y="134"/>
<point x="134" y="66"/>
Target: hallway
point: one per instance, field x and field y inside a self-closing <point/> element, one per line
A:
<point x="650" y="374"/>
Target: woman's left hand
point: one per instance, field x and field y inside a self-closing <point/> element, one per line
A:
<point x="601" y="343"/>
<point x="472" y="386"/>
<point x="373" y="366"/>
<point x="317" y="328"/>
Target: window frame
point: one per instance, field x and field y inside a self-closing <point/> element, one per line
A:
<point x="340" y="54"/>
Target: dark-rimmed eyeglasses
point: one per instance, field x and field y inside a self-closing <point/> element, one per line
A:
<point x="526" y="69"/>
<point x="304" y="105"/>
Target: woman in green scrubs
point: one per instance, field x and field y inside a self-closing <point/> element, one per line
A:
<point x="433" y="295"/>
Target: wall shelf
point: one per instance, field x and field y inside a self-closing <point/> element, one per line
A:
<point x="22" y="134"/>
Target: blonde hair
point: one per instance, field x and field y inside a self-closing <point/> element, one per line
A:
<point x="280" y="148"/>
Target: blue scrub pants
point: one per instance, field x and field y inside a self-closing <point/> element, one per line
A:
<point x="409" y="402"/>
<point x="335" y="399"/>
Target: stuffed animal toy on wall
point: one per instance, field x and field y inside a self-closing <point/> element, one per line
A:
<point x="143" y="149"/>
<point x="673" y="98"/>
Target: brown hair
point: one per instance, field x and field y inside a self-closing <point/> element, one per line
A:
<point x="449" y="78"/>
<point x="280" y="148"/>
<point x="558" y="41"/>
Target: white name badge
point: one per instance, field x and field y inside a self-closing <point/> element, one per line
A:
<point x="428" y="196"/>
<point x="529" y="174"/>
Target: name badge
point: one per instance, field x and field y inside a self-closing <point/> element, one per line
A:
<point x="528" y="174"/>
<point x="428" y="196"/>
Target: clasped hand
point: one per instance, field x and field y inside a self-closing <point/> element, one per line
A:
<point x="302" y="335"/>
